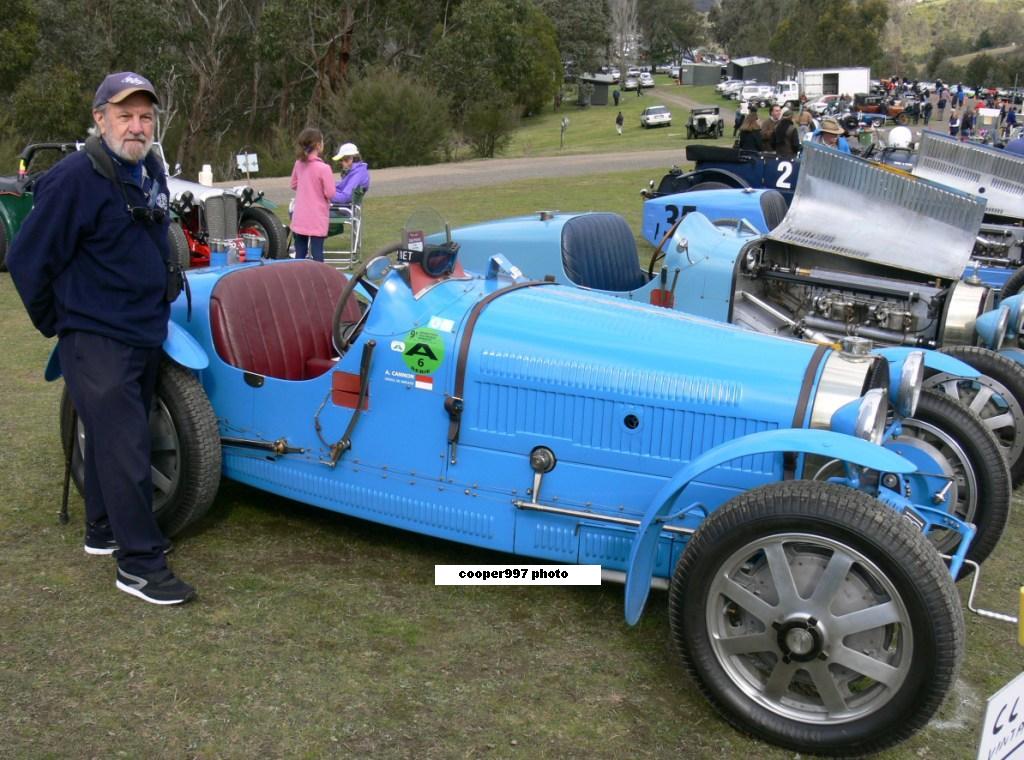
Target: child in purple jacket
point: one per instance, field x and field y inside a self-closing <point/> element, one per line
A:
<point x="354" y="174"/>
<point x="313" y="183"/>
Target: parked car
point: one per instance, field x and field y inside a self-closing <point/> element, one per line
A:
<point x="823" y="104"/>
<point x="646" y="80"/>
<point x="201" y="213"/>
<point x="704" y="122"/>
<point x="813" y="614"/>
<point x="631" y="83"/>
<point x="16" y="192"/>
<point x="759" y="95"/>
<point x="656" y="116"/>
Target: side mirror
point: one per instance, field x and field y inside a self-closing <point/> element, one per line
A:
<point x="177" y="170"/>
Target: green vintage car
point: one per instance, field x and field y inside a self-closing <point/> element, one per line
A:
<point x="16" y="191"/>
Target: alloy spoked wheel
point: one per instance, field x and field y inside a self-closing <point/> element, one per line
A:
<point x="817" y="618"/>
<point x="998" y="409"/>
<point x="809" y="628"/>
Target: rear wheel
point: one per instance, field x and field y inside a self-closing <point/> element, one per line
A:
<point x="178" y="243"/>
<point x="981" y="490"/>
<point x="257" y="220"/>
<point x="997" y="397"/>
<point x="817" y="619"/>
<point x="185" y="448"/>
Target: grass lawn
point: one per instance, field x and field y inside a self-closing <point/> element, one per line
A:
<point x="592" y="129"/>
<point x="318" y="635"/>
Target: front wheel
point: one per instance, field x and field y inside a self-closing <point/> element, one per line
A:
<point x="817" y="619"/>
<point x="997" y="397"/>
<point x="260" y="221"/>
<point x="185" y="448"/>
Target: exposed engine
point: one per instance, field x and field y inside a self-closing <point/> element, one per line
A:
<point x="787" y="289"/>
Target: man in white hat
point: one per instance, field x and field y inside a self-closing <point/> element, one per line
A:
<point x="355" y="174"/>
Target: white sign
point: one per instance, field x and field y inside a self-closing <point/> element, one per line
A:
<point x="248" y="162"/>
<point x="1002" y="733"/>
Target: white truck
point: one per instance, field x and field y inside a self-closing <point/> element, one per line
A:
<point x="814" y="83"/>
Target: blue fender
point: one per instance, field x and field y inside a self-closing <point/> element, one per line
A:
<point x="178" y="345"/>
<point x="823" y="442"/>
<point x="1013" y="354"/>
<point x="935" y="360"/>
<point x="184" y="349"/>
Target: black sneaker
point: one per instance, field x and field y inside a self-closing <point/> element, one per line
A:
<point x="98" y="545"/>
<point x="161" y="587"/>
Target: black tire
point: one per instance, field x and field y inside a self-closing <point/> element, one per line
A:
<point x="689" y="133"/>
<point x="262" y="221"/>
<point x="3" y="247"/>
<point x="179" y="245"/>
<point x="902" y="119"/>
<point x="723" y="589"/>
<point x="1013" y="284"/>
<point x="986" y="399"/>
<point x="983" y="483"/>
<point x="186" y="453"/>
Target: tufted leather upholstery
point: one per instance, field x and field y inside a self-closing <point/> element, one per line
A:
<point x="599" y="252"/>
<point x="275" y="320"/>
<point x="774" y="208"/>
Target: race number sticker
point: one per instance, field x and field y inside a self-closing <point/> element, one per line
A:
<point x="424" y="350"/>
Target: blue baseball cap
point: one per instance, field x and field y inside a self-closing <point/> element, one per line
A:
<point x="117" y="87"/>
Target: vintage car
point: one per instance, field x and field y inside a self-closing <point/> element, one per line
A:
<point x="202" y="213"/>
<point x="549" y="422"/>
<point x="890" y="293"/>
<point x="704" y="122"/>
<point x="717" y="167"/>
<point x="16" y="191"/>
<point x="998" y="177"/>
<point x="882" y="105"/>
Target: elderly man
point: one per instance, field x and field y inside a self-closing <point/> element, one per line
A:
<point x="91" y="265"/>
<point x="830" y="133"/>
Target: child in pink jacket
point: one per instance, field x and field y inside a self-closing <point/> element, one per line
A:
<point x="313" y="184"/>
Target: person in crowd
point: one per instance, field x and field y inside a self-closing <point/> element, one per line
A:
<point x="926" y="110"/>
<point x="355" y="174"/>
<point x="768" y="126"/>
<point x="750" y="133"/>
<point x="786" y="139"/>
<point x="954" y="123"/>
<point x="737" y="121"/>
<point x="93" y="266"/>
<point x="313" y="183"/>
<point x="619" y="121"/>
<point x="966" y="124"/>
<point x="830" y="133"/>
<point x="804" y="122"/>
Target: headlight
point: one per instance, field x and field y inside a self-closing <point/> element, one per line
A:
<point x="863" y="417"/>
<point x="991" y="327"/>
<point x="911" y="379"/>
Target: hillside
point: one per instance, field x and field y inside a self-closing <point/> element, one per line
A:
<point x="924" y="24"/>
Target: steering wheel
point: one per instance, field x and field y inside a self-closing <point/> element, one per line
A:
<point x="659" y="252"/>
<point x="344" y="332"/>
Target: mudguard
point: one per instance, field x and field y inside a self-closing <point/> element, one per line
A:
<point x="179" y="346"/>
<point x="935" y="360"/>
<point x="822" y="442"/>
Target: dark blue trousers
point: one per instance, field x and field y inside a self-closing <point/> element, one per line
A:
<point x="111" y="385"/>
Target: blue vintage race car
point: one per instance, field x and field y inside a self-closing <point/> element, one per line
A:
<point x="550" y="422"/>
<point x="896" y="286"/>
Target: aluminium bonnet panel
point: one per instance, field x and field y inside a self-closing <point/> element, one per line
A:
<point x="851" y="207"/>
<point x="994" y="174"/>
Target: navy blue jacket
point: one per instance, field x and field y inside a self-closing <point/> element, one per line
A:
<point x="80" y="262"/>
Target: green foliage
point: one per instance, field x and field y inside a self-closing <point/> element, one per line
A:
<point x="19" y="40"/>
<point x="581" y="28"/>
<point x="815" y="33"/>
<point x="743" y="31"/>
<point x="498" y="48"/>
<point x="488" y="127"/>
<point x="395" y="119"/>
<point x="50" y="106"/>
<point x="669" y="27"/>
<point x="981" y="69"/>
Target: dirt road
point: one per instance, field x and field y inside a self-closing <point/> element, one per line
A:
<point x="483" y="172"/>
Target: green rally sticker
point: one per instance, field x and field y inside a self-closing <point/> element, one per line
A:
<point x="424" y="350"/>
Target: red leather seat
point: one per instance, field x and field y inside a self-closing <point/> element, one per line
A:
<point x="275" y="320"/>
